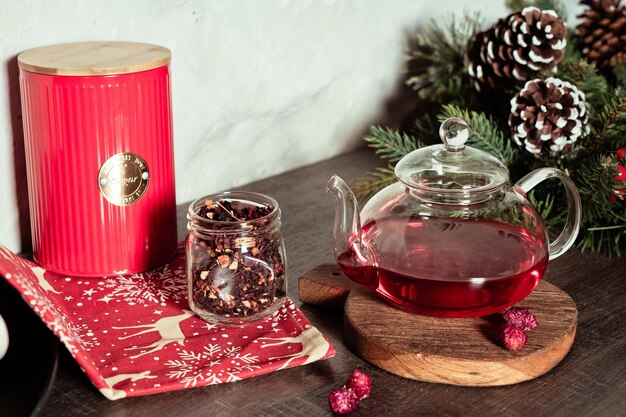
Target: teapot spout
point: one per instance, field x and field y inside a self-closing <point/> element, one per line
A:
<point x="347" y="230"/>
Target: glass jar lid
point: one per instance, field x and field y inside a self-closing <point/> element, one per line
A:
<point x="451" y="167"/>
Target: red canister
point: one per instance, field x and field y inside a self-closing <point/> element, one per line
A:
<point x="99" y="156"/>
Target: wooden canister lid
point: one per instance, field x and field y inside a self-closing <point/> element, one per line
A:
<point x="94" y="58"/>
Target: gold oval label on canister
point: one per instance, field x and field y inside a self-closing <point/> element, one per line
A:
<point x="123" y="178"/>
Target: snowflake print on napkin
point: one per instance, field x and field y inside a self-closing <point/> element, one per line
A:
<point x="153" y="287"/>
<point x="134" y="335"/>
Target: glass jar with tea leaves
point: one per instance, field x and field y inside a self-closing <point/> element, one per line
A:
<point x="235" y="257"/>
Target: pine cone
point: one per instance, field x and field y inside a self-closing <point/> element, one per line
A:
<point x="602" y="32"/>
<point x="516" y="48"/>
<point x="548" y="115"/>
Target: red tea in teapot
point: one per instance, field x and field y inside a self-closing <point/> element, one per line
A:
<point x="449" y="267"/>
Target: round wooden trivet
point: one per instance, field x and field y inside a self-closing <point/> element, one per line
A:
<point x="450" y="351"/>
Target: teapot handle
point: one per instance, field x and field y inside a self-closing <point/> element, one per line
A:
<point x="574" y="208"/>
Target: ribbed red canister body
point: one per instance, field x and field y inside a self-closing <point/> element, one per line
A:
<point x="100" y="164"/>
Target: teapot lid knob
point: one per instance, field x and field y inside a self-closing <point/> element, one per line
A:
<point x="454" y="133"/>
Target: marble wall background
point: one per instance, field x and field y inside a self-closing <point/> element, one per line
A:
<point x="259" y="87"/>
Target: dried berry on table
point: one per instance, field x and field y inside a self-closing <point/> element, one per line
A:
<point x="513" y="337"/>
<point x="520" y="317"/>
<point x="237" y="273"/>
<point x="360" y="383"/>
<point x="342" y="401"/>
<point x="345" y="400"/>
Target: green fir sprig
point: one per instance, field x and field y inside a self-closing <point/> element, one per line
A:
<point x="604" y="221"/>
<point x="436" y="60"/>
<point x="594" y="180"/>
<point x="373" y="181"/>
<point x="619" y="72"/>
<point x="587" y="78"/>
<point x="484" y="133"/>
<point x="608" y="125"/>
<point x="391" y="144"/>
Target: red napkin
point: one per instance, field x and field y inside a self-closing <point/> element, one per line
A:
<point x="134" y="335"/>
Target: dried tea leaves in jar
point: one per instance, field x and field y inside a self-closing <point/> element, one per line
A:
<point x="236" y="274"/>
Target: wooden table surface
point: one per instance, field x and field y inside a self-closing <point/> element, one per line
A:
<point x="591" y="380"/>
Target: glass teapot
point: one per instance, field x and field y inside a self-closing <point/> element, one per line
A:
<point x="450" y="238"/>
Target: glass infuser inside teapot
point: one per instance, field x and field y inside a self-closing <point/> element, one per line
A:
<point x="450" y="238"/>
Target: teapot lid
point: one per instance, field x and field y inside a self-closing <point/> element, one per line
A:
<point x="451" y="167"/>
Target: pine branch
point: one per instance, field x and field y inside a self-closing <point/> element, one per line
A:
<point x="425" y="128"/>
<point x="436" y="61"/>
<point x="549" y="209"/>
<point x="587" y="78"/>
<point x="594" y="180"/>
<point x="603" y="227"/>
<point x="619" y="71"/>
<point x="390" y="144"/>
<point x="609" y="240"/>
<point x="608" y="125"/>
<point x="373" y="181"/>
<point x="484" y="133"/>
<point x="572" y="50"/>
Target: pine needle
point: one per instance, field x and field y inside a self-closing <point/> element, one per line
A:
<point x="609" y="124"/>
<point x="391" y="144"/>
<point x="373" y="181"/>
<point x="436" y="61"/>
<point x="484" y="133"/>
<point x="619" y="71"/>
<point x="587" y="78"/>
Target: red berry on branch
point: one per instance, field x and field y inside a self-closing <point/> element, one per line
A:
<point x="621" y="173"/>
<point x="343" y="401"/>
<point x="617" y="195"/>
<point x="513" y="337"/>
<point x="360" y="383"/>
<point x="621" y="153"/>
<point x="520" y="317"/>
